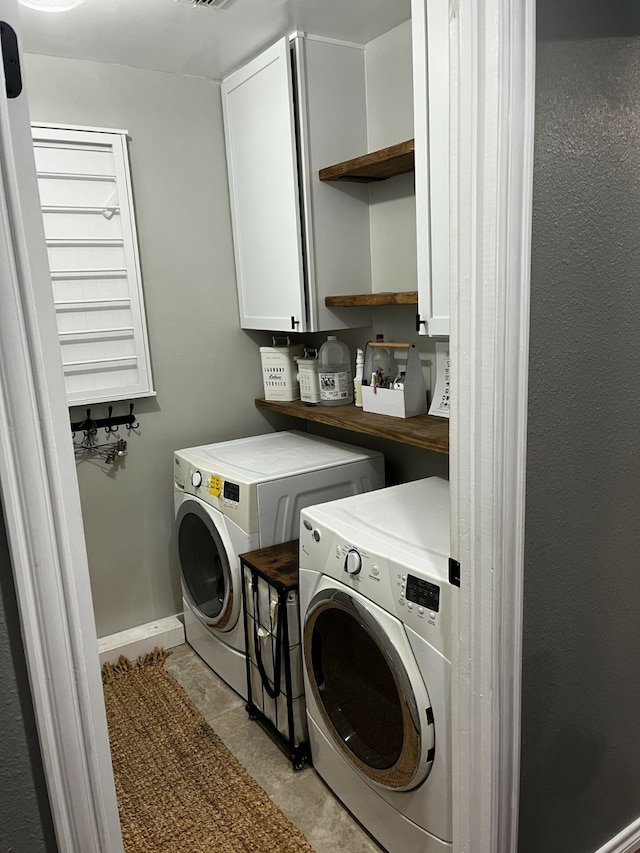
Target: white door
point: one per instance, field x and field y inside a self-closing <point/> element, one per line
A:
<point x="430" y="35"/>
<point x="260" y="134"/>
<point x="40" y="500"/>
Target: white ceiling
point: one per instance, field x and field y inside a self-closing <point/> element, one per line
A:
<point x="172" y="35"/>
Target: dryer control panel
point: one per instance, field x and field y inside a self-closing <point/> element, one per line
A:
<point x="235" y="499"/>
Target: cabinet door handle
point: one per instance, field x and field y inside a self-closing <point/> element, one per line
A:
<point x="294" y="323"/>
<point x="419" y="322"/>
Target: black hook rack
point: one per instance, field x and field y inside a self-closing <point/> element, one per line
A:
<point x="114" y="449"/>
<point x="90" y="426"/>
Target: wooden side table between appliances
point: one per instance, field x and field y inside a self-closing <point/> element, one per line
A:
<point x="274" y="653"/>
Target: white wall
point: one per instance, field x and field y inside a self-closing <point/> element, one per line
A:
<point x="393" y="238"/>
<point x="393" y="206"/>
<point x="389" y="121"/>
<point x="206" y="370"/>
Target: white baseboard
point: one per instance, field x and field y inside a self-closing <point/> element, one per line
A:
<point x="168" y="632"/>
<point x="627" y="841"/>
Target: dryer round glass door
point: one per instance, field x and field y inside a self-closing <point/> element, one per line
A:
<point x="364" y="693"/>
<point x="204" y="563"/>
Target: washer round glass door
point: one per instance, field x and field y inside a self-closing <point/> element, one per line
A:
<point x="364" y="692"/>
<point x="204" y="562"/>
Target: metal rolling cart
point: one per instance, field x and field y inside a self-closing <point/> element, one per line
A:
<point x="274" y="653"/>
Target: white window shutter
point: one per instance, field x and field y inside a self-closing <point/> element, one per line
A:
<point x="89" y="225"/>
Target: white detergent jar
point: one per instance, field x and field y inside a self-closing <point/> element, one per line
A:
<point x="334" y="368"/>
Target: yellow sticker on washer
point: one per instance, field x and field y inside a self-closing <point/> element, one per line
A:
<point x="215" y="485"/>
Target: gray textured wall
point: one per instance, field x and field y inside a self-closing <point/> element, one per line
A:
<point x="581" y="669"/>
<point x="25" y="825"/>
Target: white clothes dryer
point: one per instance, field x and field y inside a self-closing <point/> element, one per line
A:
<point x="235" y="496"/>
<point x="375" y="603"/>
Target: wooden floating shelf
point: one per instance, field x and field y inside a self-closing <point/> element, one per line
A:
<point x="376" y="166"/>
<point x="425" y="431"/>
<point x="407" y="297"/>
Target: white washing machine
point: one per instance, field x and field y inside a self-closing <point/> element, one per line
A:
<point x="235" y="496"/>
<point x="375" y="602"/>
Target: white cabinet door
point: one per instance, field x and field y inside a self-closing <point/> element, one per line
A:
<point x="263" y="183"/>
<point x="332" y="104"/>
<point x="430" y="32"/>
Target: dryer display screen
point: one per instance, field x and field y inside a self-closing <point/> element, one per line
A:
<point x="231" y="491"/>
<point x="423" y="593"/>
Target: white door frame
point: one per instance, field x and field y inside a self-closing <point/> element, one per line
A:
<point x="492" y="90"/>
<point x="492" y="84"/>
<point x="41" y="507"/>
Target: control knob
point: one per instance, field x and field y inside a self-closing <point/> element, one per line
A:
<point x="353" y="562"/>
<point x="196" y="479"/>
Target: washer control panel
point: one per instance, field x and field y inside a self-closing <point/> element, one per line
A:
<point x="411" y="587"/>
<point x="414" y="599"/>
<point x="353" y="562"/>
<point x="423" y="593"/>
<point x="419" y="596"/>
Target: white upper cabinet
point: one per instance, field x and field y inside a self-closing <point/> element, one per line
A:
<point x="263" y="183"/>
<point x="298" y="107"/>
<point x="430" y="35"/>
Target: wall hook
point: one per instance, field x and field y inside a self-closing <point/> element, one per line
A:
<point x="89" y="427"/>
<point x="133" y="424"/>
<point x="110" y="427"/>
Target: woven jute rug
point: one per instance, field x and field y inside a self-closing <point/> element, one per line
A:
<point x="179" y="788"/>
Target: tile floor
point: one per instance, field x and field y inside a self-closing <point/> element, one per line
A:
<point x="302" y="795"/>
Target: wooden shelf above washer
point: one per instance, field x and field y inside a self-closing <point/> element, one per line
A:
<point x="376" y="166"/>
<point x="406" y="297"/>
<point x="425" y="431"/>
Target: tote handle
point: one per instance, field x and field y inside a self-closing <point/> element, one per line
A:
<point x="272" y="692"/>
